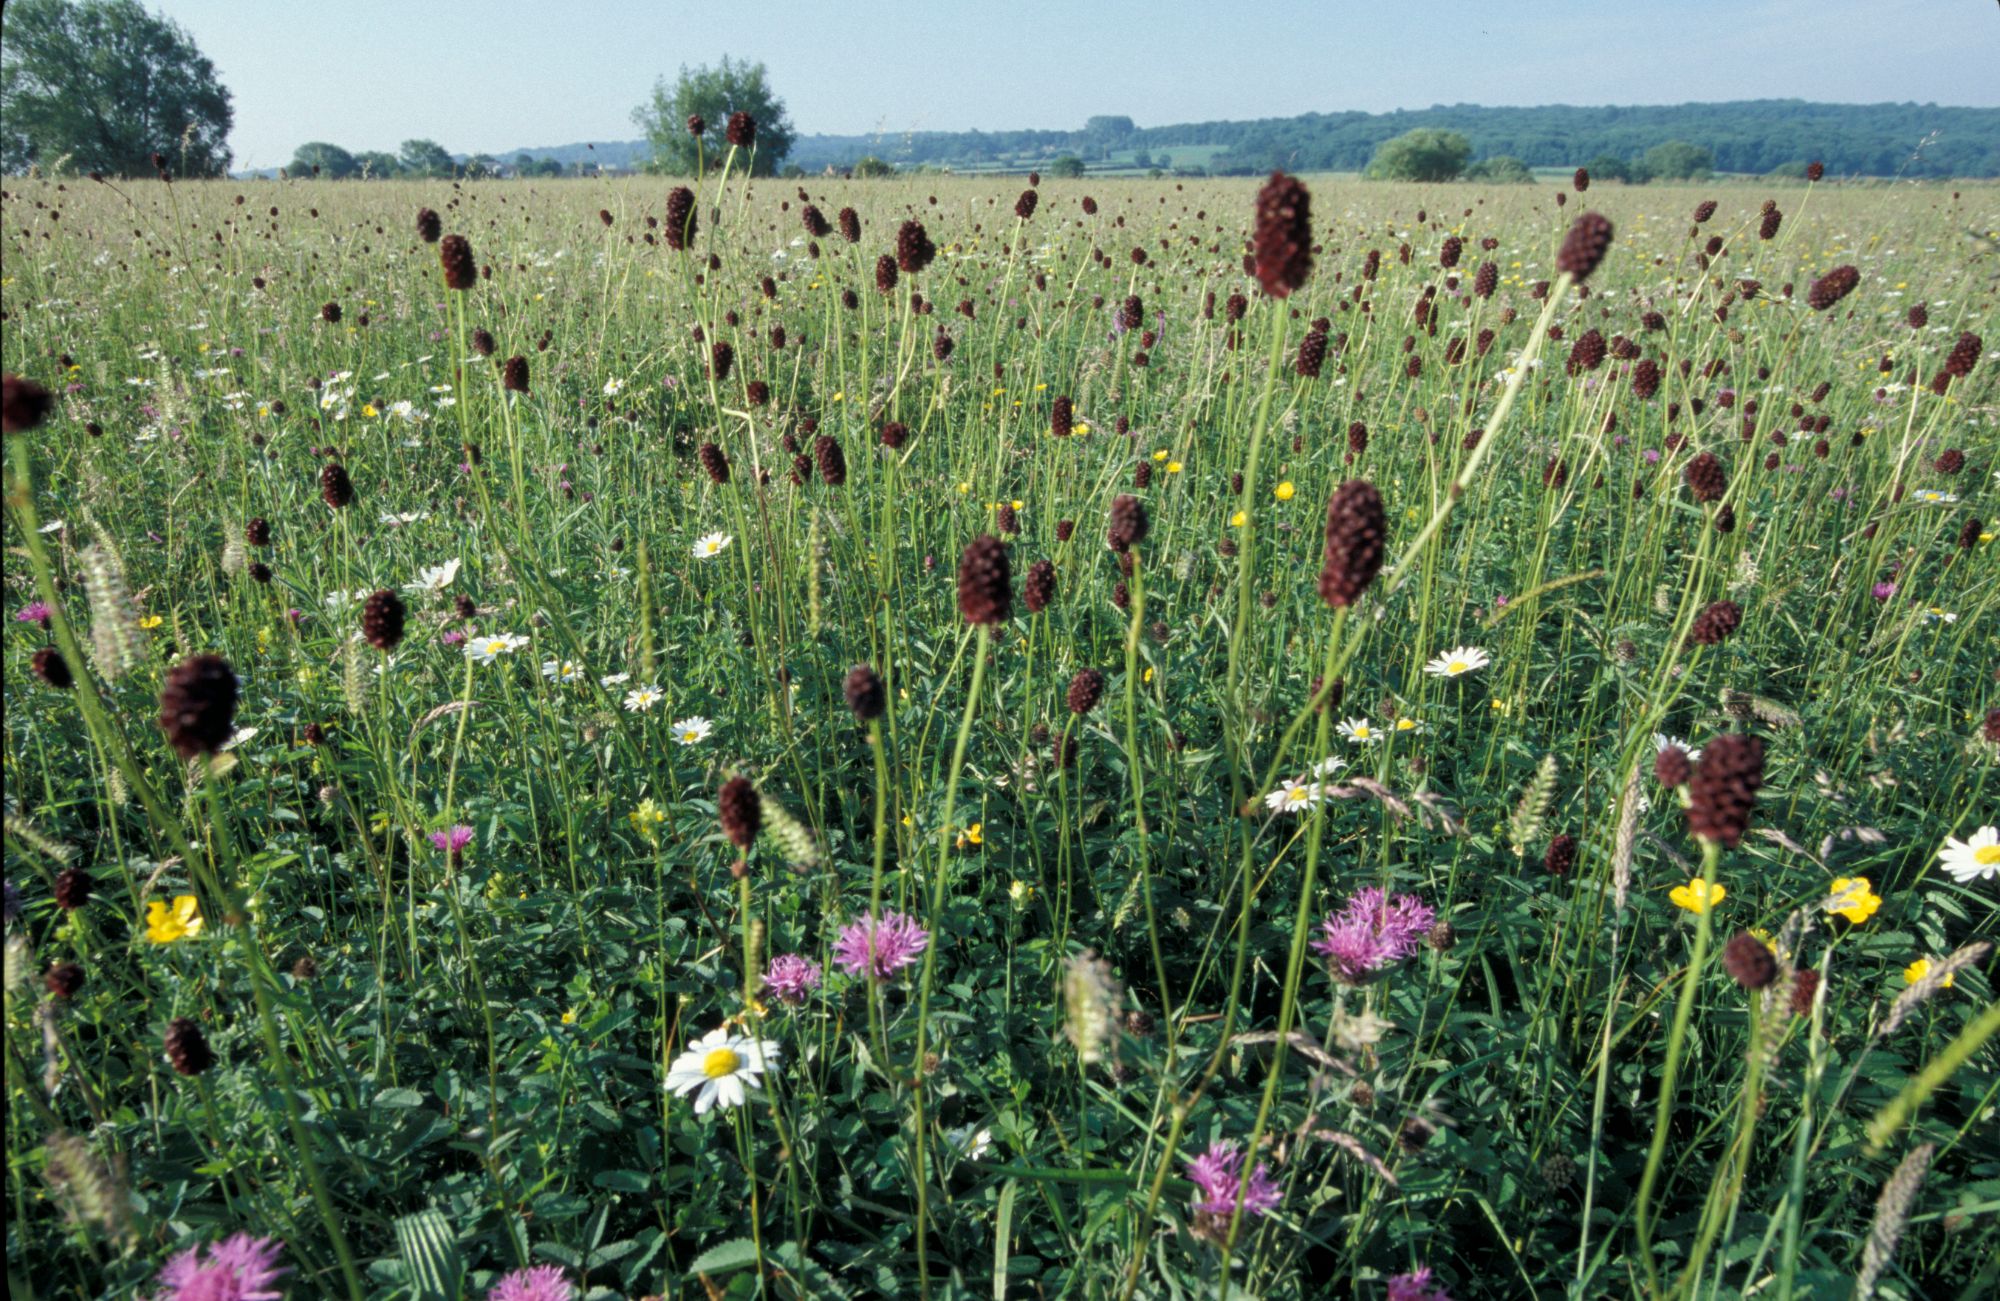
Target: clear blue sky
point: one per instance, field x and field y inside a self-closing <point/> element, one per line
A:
<point x="487" y="77"/>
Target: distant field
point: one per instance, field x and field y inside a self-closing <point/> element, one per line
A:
<point x="801" y="767"/>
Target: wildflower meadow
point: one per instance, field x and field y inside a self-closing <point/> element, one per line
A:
<point x="1032" y="738"/>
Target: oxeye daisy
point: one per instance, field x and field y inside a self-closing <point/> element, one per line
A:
<point x="1976" y="858"/>
<point x="611" y="680"/>
<point x="640" y="699"/>
<point x="1407" y="724"/>
<point x="1358" y="731"/>
<point x="1661" y="741"/>
<point x="721" y="1069"/>
<point x="1458" y="661"/>
<point x="567" y="672"/>
<point x="485" y="650"/>
<point x="434" y="578"/>
<point x="710" y="545"/>
<point x="1328" y="766"/>
<point x="1293" y="796"/>
<point x="693" y="731"/>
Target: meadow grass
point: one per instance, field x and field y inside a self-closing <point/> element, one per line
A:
<point x="466" y="897"/>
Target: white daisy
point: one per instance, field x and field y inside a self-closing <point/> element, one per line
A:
<point x="970" y="1141"/>
<point x="433" y="579"/>
<point x="1976" y="858"/>
<point x="1934" y="497"/>
<point x="640" y="699"/>
<point x="610" y="680"/>
<point x="1328" y="766"/>
<point x="1293" y="796"/>
<point x="1408" y="725"/>
<point x="710" y="545"/>
<point x="563" y="671"/>
<point x="693" y="731"/>
<point x="491" y="647"/>
<point x="1661" y="741"/>
<point x="721" y="1068"/>
<point x="613" y="387"/>
<point x="1457" y="661"/>
<point x="1359" y="731"/>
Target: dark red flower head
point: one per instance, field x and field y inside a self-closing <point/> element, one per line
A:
<point x="1356" y="532"/>
<point x="1584" y="247"/>
<point x="1282" y="242"/>
<point x="23" y="404"/>
<point x="741" y="130"/>
<point x="198" y="705"/>
<point x="455" y="256"/>
<point x="985" y="581"/>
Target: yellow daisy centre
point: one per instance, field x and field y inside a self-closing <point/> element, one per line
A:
<point x="721" y="1062"/>
<point x="1986" y="855"/>
<point x="1457" y="667"/>
<point x="1363" y="732"/>
<point x="1296" y="795"/>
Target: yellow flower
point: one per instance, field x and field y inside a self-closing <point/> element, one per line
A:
<point x="1173" y="467"/>
<point x="1160" y="455"/>
<point x="972" y="835"/>
<point x="368" y="410"/>
<point x="1918" y="970"/>
<point x="1284" y="491"/>
<point x="1853" y="898"/>
<point x="1082" y="427"/>
<point x="1019" y="504"/>
<point x="1239" y="519"/>
<point x="151" y="622"/>
<point x="964" y="488"/>
<point x="1763" y="937"/>
<point x="569" y="1017"/>
<point x="1148" y="675"/>
<point x="1697" y="896"/>
<point x="179" y="921"/>
<point x="1021" y="893"/>
<point x="647" y="818"/>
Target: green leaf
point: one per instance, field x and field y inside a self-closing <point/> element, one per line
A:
<point x="735" y="1254"/>
<point x="436" y="1269"/>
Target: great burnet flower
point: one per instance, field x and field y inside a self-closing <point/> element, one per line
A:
<point x="1976" y="858"/>
<point x="179" y="920"/>
<point x="721" y="1069"/>
<point x="1217" y="1175"/>
<point x="882" y="948"/>
<point x="1371" y="933"/>
<point x="1458" y="661"/>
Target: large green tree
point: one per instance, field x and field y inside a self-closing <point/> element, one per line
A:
<point x="1425" y="154"/>
<point x="426" y="158"/>
<point x="329" y="162"/>
<point x="106" y="85"/>
<point x="713" y="94"/>
<point x="1677" y="160"/>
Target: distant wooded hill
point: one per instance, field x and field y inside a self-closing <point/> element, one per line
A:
<point x="1752" y="136"/>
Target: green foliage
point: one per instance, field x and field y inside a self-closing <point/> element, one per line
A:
<point x="1677" y="160"/>
<point x="426" y="158"/>
<point x="871" y="168"/>
<point x="1500" y="170"/>
<point x="714" y="93"/>
<point x="1421" y="155"/>
<point x="1610" y="167"/>
<point x="1067" y="166"/>
<point x="378" y="165"/>
<point x="105" y="86"/>
<point x="467" y="1053"/>
<point x="328" y="162"/>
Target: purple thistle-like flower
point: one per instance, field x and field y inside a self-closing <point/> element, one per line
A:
<point x="790" y="978"/>
<point x="33" y="612"/>
<point x="1218" y="1173"/>
<point x="1416" y="1287"/>
<point x="536" y="1283"/>
<point x="880" y="948"/>
<point x="452" y="841"/>
<point x="1372" y="932"/>
<point x="239" y="1268"/>
<point x="1882" y="591"/>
